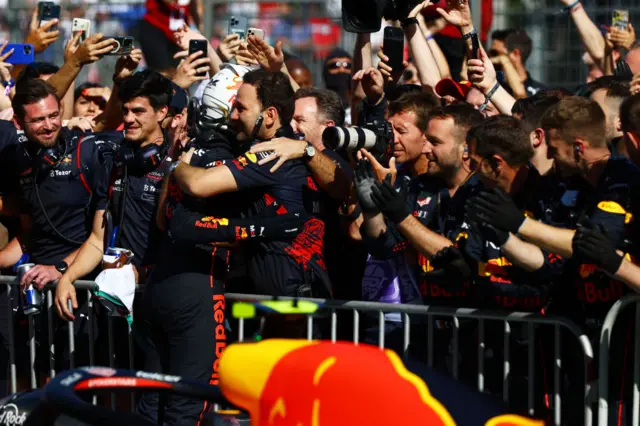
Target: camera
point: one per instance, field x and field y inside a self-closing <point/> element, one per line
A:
<point x="376" y="137"/>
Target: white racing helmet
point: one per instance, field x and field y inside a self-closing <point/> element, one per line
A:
<point x="219" y="93"/>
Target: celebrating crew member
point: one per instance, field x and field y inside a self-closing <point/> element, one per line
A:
<point x="262" y="110"/>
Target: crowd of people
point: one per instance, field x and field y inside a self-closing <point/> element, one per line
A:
<point x="463" y="184"/>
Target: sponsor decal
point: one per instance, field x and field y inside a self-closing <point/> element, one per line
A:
<point x="120" y="382"/>
<point x="157" y="376"/>
<point x="100" y="371"/>
<point x="251" y="156"/>
<point x="67" y="381"/>
<point x="424" y="201"/>
<point x="220" y="335"/>
<point x="11" y="416"/>
<point x="241" y="233"/>
<point x="211" y="222"/>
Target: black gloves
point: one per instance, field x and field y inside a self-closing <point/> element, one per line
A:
<point x="391" y="202"/>
<point x="364" y="185"/>
<point x="490" y="233"/>
<point x="450" y="267"/>
<point x="594" y="247"/>
<point x="496" y="208"/>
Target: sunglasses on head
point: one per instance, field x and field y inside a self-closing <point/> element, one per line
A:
<point x="339" y="64"/>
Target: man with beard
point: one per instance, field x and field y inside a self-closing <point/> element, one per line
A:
<point x="54" y="175"/>
<point x="262" y="110"/>
<point x="337" y="77"/>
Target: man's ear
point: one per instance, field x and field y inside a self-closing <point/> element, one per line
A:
<point x="161" y="113"/>
<point x="537" y="137"/>
<point x="270" y="115"/>
<point x="496" y="163"/>
<point x="633" y="138"/>
<point x="618" y="125"/>
<point x="330" y="123"/>
<point x="18" y="123"/>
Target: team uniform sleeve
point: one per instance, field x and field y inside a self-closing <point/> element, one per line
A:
<point x="387" y="245"/>
<point x="249" y="174"/>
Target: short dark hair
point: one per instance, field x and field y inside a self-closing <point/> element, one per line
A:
<point x="328" y="103"/>
<point x="146" y="84"/>
<point x="577" y="117"/>
<point x="79" y="89"/>
<point x="504" y="136"/>
<point x="501" y="35"/>
<point x="274" y="90"/>
<point x="533" y="108"/>
<point x="521" y="41"/>
<point x="37" y="70"/>
<point x="630" y="114"/>
<point x="421" y="103"/>
<point x="464" y="117"/>
<point x="394" y="92"/>
<point x="616" y="87"/>
<point x="29" y="92"/>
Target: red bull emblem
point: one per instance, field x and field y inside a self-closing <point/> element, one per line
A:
<point x="241" y="233"/>
<point x="211" y="222"/>
<point x="587" y="270"/>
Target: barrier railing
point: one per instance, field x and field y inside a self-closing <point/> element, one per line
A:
<point x="409" y="314"/>
<point x="604" y="366"/>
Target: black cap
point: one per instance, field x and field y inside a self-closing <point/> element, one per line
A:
<point x="180" y="98"/>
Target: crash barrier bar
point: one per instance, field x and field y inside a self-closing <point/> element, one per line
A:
<point x="604" y="349"/>
<point x="456" y="314"/>
<point x="356" y="308"/>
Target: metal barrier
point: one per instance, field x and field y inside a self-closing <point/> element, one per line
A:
<point x="603" y="368"/>
<point x="407" y="311"/>
<point x="408" y="314"/>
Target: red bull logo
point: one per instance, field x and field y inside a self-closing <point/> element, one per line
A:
<point x="211" y="222"/>
<point x="297" y="382"/>
<point x="587" y="270"/>
<point x="241" y="233"/>
<point x="494" y="267"/>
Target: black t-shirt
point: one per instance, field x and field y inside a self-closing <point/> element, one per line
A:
<point x="615" y="204"/>
<point x="281" y="267"/>
<point x="501" y="284"/>
<point x="61" y="194"/>
<point x="9" y="136"/>
<point x="137" y="229"/>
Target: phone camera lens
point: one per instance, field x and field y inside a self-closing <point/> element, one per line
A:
<point x="27" y="50"/>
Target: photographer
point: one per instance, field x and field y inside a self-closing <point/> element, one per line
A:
<point x="261" y="111"/>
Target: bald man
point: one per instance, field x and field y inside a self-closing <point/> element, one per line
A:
<point x="299" y="72"/>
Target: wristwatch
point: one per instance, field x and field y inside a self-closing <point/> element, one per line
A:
<point x="309" y="151"/>
<point x="173" y="165"/>
<point x="62" y="266"/>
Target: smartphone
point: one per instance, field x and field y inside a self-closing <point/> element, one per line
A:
<point x="239" y="25"/>
<point x="124" y="46"/>
<point x="48" y="11"/>
<point x="22" y="54"/>
<point x="198" y="45"/>
<point x="620" y="19"/>
<point x="83" y="26"/>
<point x="394" y="46"/>
<point x="256" y="32"/>
<point x="475" y="46"/>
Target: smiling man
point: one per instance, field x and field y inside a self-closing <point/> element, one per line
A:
<point x="129" y="191"/>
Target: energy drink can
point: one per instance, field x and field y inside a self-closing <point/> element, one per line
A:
<point x="115" y="251"/>
<point x="32" y="297"/>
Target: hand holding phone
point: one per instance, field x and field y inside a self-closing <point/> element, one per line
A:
<point x="196" y="46"/>
<point x="620" y="19"/>
<point x="255" y="32"/>
<point x="239" y="25"/>
<point x="23" y="54"/>
<point x="83" y="26"/>
<point x="48" y="11"/>
<point x="122" y="46"/>
<point x="394" y="47"/>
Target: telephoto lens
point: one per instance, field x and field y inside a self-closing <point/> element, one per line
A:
<point x="349" y="138"/>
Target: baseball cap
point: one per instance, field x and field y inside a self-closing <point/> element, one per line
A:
<point x="449" y="87"/>
<point x="180" y="98"/>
